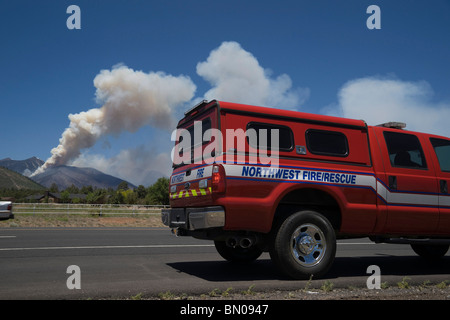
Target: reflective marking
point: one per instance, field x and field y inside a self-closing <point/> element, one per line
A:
<point x="188" y="193"/>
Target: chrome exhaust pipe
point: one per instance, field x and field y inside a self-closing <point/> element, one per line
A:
<point x="246" y="243"/>
<point x="242" y="242"/>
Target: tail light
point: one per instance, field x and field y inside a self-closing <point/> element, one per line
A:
<point x="10" y="207"/>
<point x="218" y="179"/>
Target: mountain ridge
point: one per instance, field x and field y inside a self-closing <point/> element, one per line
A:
<point x="24" y="167"/>
<point x="13" y="180"/>
<point x="66" y="176"/>
<point x="62" y="176"/>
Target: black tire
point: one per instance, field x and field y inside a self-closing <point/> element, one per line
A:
<point x="431" y="252"/>
<point x="237" y="254"/>
<point x="304" y="245"/>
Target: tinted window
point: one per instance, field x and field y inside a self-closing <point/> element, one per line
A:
<point x="205" y="125"/>
<point x="442" y="149"/>
<point x="266" y="132"/>
<point x="328" y="143"/>
<point x="404" y="150"/>
<point x="195" y="141"/>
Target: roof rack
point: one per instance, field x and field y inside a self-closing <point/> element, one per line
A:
<point x="393" y="125"/>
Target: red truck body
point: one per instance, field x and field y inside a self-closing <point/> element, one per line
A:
<point x="381" y="181"/>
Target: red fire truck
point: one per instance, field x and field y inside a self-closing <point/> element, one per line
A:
<point x="256" y="179"/>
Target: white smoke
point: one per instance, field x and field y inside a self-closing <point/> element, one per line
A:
<point x="236" y="76"/>
<point x="378" y="100"/>
<point x="131" y="99"/>
<point x="140" y="165"/>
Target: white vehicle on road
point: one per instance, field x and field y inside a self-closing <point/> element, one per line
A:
<point x="6" y="210"/>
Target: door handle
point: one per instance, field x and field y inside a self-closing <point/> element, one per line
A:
<point x="443" y="185"/>
<point x="393" y="182"/>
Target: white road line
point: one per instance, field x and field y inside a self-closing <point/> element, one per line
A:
<point x="5" y="237"/>
<point x="142" y="246"/>
<point x="108" y="247"/>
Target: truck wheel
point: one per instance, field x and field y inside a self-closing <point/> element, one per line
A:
<point x="237" y="254"/>
<point x="304" y="245"/>
<point x="431" y="252"/>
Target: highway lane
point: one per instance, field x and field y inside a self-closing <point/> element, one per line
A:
<point x="123" y="262"/>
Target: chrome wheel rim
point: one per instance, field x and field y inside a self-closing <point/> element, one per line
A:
<point x="308" y="245"/>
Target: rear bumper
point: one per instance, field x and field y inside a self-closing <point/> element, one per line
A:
<point x="194" y="218"/>
<point x="5" y="215"/>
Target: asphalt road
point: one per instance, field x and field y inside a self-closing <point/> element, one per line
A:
<point x="124" y="262"/>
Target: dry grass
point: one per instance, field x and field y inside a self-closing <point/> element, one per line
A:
<point x="81" y="220"/>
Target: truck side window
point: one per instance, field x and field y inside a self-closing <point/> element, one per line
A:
<point x="286" y="137"/>
<point x="442" y="149"/>
<point x="329" y="143"/>
<point x="404" y="150"/>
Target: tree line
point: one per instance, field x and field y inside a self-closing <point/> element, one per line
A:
<point x="156" y="194"/>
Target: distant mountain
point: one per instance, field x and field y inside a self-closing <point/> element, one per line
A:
<point x="24" y="167"/>
<point x="14" y="180"/>
<point x="65" y="176"/>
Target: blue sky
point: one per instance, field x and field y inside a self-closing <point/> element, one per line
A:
<point x="329" y="60"/>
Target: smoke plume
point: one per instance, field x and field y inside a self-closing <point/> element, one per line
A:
<point x="131" y="99"/>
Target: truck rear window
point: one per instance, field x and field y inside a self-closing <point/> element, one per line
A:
<point x="193" y="140"/>
<point x="329" y="143"/>
<point x="442" y="149"/>
<point x="197" y="141"/>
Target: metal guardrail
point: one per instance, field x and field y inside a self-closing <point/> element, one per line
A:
<point x="93" y="209"/>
